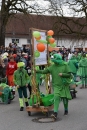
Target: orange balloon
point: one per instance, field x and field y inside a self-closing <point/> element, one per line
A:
<point x="50" y="32"/>
<point x="40" y="47"/>
<point x="38" y="38"/>
<point x="51" y="40"/>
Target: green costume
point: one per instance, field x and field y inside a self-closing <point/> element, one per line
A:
<point x="79" y="57"/>
<point x="21" y="79"/>
<point x="73" y="64"/>
<point x="38" y="78"/>
<point x="82" y="71"/>
<point x="59" y="83"/>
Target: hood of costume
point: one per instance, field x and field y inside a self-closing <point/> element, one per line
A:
<point x="20" y="65"/>
<point x="57" y="59"/>
<point x="73" y="58"/>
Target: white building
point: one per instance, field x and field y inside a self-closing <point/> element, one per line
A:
<point x="18" y="30"/>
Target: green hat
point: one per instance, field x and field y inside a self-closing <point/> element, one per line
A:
<point x="4" y="57"/>
<point x="20" y="64"/>
<point x="57" y="58"/>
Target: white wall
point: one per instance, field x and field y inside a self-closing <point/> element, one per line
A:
<point x="72" y="43"/>
<point x="68" y="43"/>
<point x="22" y="41"/>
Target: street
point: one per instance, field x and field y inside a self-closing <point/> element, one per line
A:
<point x="13" y="119"/>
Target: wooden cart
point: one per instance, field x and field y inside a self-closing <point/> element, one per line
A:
<point x="43" y="109"/>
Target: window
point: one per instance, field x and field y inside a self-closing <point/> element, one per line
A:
<point x="28" y="40"/>
<point x="15" y="40"/>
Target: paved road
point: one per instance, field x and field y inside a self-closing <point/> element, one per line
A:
<point x="12" y="119"/>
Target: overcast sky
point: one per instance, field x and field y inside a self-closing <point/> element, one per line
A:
<point x="44" y="4"/>
<point x="65" y="8"/>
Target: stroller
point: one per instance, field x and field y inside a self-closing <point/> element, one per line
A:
<point x="73" y="91"/>
<point x="6" y="92"/>
<point x="73" y="86"/>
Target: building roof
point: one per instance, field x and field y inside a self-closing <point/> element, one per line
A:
<point x="19" y="24"/>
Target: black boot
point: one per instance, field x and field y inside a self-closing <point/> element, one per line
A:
<point x="21" y="108"/>
<point x="54" y="115"/>
<point x="26" y="103"/>
<point x="66" y="112"/>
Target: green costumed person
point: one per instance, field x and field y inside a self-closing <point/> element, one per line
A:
<point x="38" y="78"/>
<point x="21" y="80"/>
<point x="73" y="64"/>
<point x="60" y="77"/>
<point x="82" y="71"/>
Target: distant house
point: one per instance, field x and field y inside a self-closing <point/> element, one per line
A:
<point x="17" y="29"/>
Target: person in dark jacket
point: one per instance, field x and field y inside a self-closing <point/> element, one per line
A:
<point x="2" y="71"/>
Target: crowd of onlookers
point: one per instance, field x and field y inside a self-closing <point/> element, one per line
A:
<point x="13" y="54"/>
<point x="9" y="57"/>
<point x="19" y="53"/>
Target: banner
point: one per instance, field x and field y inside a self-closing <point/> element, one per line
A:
<point x="42" y="59"/>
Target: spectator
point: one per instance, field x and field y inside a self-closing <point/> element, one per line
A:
<point x="2" y="70"/>
<point x="11" y="67"/>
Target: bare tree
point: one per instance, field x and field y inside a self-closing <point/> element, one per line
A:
<point x="79" y="7"/>
<point x="77" y="23"/>
<point x="9" y="8"/>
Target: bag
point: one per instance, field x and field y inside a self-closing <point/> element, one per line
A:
<point x="46" y="100"/>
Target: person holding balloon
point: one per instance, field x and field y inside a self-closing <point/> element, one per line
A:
<point x="61" y="78"/>
<point x="60" y="74"/>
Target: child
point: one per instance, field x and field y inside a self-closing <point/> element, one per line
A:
<point x="11" y="67"/>
<point x="21" y="80"/>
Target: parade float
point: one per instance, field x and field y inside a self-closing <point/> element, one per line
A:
<point x="41" y="41"/>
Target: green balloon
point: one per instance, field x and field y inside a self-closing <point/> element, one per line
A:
<point x="53" y="45"/>
<point x="42" y="41"/>
<point x="36" y="34"/>
<point x="47" y="38"/>
<point x="37" y="54"/>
